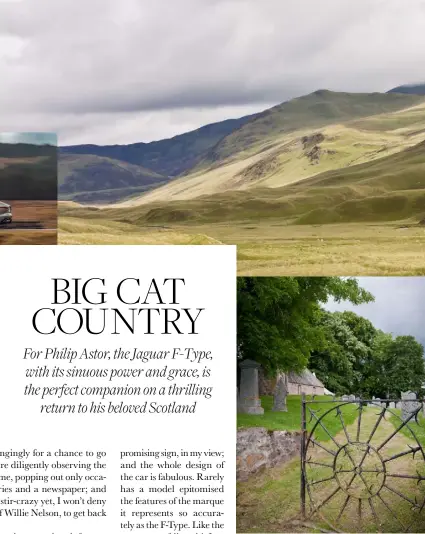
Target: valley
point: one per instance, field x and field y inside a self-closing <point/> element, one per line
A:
<point x="300" y="188"/>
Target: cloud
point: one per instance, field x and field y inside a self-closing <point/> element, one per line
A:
<point x="399" y="306"/>
<point x="105" y="60"/>
<point x="34" y="138"/>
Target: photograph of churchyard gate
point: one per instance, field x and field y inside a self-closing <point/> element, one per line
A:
<point x="331" y="427"/>
<point x="28" y="189"/>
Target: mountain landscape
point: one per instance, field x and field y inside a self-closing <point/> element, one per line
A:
<point x="412" y="89"/>
<point x="326" y="159"/>
<point x="90" y="178"/>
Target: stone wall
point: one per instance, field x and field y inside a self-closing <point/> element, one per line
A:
<point x="258" y="448"/>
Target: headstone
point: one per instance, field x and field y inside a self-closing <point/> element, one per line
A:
<point x="351" y="398"/>
<point x="345" y="398"/>
<point x="280" y="393"/>
<point x="409" y="404"/>
<point x="249" y="400"/>
<point x="392" y="405"/>
<point x="398" y="405"/>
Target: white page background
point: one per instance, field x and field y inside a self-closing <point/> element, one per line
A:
<point x="25" y="286"/>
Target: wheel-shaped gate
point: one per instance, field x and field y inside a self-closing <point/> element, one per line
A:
<point x="362" y="464"/>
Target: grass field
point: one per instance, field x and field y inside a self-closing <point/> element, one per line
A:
<point x="306" y="197"/>
<point x="291" y="420"/>
<point x="270" y="501"/>
<point x="270" y="248"/>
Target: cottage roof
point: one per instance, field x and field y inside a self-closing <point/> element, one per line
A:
<point x="305" y="378"/>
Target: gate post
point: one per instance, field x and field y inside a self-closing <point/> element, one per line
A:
<point x="302" y="452"/>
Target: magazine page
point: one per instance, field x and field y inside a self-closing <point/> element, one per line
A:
<point x="212" y="266"/>
<point x="117" y="392"/>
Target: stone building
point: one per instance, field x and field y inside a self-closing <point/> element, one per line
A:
<point x="304" y="382"/>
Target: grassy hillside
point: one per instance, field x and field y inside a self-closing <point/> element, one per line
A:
<point x="388" y="189"/>
<point x="301" y="154"/>
<point x="169" y="157"/>
<point x="289" y="142"/>
<point x="88" y="178"/>
<point x="413" y="89"/>
<point x="311" y="111"/>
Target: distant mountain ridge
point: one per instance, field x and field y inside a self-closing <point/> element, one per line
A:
<point x="28" y="172"/>
<point x="298" y="139"/>
<point x="168" y="157"/>
<point x="241" y="153"/>
<point x="88" y="178"/>
<point x="410" y="89"/>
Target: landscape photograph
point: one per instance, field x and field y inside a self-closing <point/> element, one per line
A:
<point x="28" y="189"/>
<point x="331" y="411"/>
<point x="294" y="130"/>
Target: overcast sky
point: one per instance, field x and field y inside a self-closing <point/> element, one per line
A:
<point x="33" y="138"/>
<point x="399" y="306"/>
<point x="109" y="71"/>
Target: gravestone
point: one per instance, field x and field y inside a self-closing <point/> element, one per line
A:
<point x="351" y="398"/>
<point x="398" y="405"/>
<point x="392" y="405"/>
<point x="249" y="399"/>
<point x="280" y="393"/>
<point x="409" y="404"/>
<point x="345" y="398"/>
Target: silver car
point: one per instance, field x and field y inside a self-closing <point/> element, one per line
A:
<point x="5" y="213"/>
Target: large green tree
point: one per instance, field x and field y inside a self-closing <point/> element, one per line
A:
<point x="404" y="366"/>
<point x="279" y="318"/>
<point x="338" y="363"/>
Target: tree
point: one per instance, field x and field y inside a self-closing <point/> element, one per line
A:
<point x="279" y="318"/>
<point x="338" y="363"/>
<point x="374" y="372"/>
<point x="404" y="367"/>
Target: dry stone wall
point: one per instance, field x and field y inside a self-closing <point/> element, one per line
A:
<point x="259" y="448"/>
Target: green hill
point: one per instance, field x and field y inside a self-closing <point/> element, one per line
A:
<point x="169" y="157"/>
<point x="88" y="178"/>
<point x="28" y="172"/>
<point x="413" y="89"/>
<point x="389" y="189"/>
<point x="315" y="110"/>
<point x="283" y="159"/>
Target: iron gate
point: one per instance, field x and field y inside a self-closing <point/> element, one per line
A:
<point x="362" y="465"/>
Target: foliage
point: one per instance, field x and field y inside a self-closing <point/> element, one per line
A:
<point x="360" y="359"/>
<point x="337" y="365"/>
<point x="279" y="318"/>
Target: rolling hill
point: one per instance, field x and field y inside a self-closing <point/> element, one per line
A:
<point x="412" y="89"/>
<point x="28" y="172"/>
<point x="88" y="178"/>
<point x="311" y="111"/>
<point x="298" y="154"/>
<point x="391" y="188"/>
<point x="168" y="157"/>
<point x="288" y="142"/>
